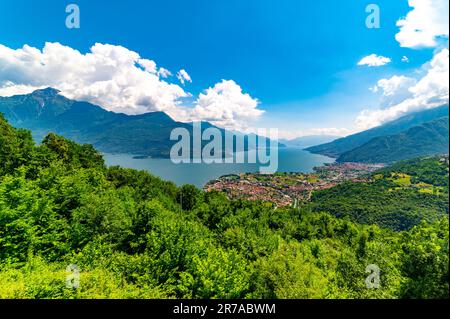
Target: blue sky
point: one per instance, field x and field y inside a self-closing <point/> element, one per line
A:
<point x="297" y="58"/>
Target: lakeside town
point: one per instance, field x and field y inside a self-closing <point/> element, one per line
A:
<point x="290" y="189"/>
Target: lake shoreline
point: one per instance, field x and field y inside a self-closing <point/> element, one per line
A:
<point x="290" y="159"/>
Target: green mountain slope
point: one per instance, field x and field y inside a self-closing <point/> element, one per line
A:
<point x="426" y="139"/>
<point x="45" y="111"/>
<point x="342" y="145"/>
<point x="132" y="235"/>
<point x="398" y="197"/>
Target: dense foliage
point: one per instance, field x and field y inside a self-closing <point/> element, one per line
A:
<point x="430" y="170"/>
<point x="132" y="235"/>
<point x="398" y="197"/>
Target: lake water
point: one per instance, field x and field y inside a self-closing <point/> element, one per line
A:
<point x="290" y="160"/>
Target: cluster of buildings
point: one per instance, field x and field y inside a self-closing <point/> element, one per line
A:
<point x="290" y="189"/>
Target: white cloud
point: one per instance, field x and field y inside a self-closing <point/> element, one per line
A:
<point x="434" y="85"/>
<point x="395" y="84"/>
<point x="148" y="65"/>
<point x="111" y="76"/>
<point x="409" y="95"/>
<point x="164" y="73"/>
<point x="374" y="60"/>
<point x="119" y="80"/>
<point x="330" y="131"/>
<point x="421" y="27"/>
<point x="333" y="131"/>
<point x="183" y="76"/>
<point x="10" y="89"/>
<point x="227" y="106"/>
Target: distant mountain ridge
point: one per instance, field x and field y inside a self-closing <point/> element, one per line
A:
<point x="429" y="138"/>
<point x="45" y="111"/>
<point x="340" y="146"/>
<point x="308" y="141"/>
<point x="421" y="133"/>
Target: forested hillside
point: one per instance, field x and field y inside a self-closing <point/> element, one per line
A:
<point x="398" y="197"/>
<point x="346" y="144"/>
<point x="148" y="134"/>
<point x="132" y="235"/>
<point x="45" y="111"/>
<point x="429" y="138"/>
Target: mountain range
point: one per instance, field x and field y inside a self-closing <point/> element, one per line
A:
<point x="420" y="133"/>
<point x="308" y="141"/>
<point x="426" y="139"/>
<point x="45" y="111"/>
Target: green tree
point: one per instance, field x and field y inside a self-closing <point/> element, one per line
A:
<point x="425" y="261"/>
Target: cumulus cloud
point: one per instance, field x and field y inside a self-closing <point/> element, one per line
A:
<point x="424" y="24"/>
<point x="227" y="106"/>
<point x="332" y="131"/>
<point x="374" y="60"/>
<point x="10" y="89"/>
<point x="394" y="89"/>
<point x="392" y="85"/>
<point x="111" y="76"/>
<point x="406" y="95"/>
<point x="183" y="76"/>
<point x="164" y="73"/>
<point x="329" y="131"/>
<point x="119" y="80"/>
